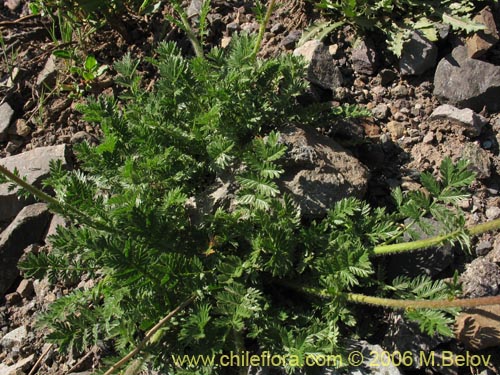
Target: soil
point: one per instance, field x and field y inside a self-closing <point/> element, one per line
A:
<point x="396" y="145"/>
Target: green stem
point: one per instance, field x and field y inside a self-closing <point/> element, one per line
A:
<point x="403" y="303"/>
<point x="41" y="195"/>
<point x="262" y="28"/>
<point x="422" y="304"/>
<point x="198" y="49"/>
<point x="436" y="240"/>
<point x="148" y="336"/>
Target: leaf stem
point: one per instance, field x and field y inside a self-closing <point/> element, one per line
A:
<point x="262" y="28"/>
<point x="41" y="195"/>
<point x="148" y="336"/>
<point x="403" y="303"/>
<point x="198" y="49"/>
<point x="436" y="240"/>
<point x="422" y="304"/>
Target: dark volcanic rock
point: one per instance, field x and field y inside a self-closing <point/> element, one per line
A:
<point x="34" y="165"/>
<point x="6" y="113"/>
<point x="320" y="172"/>
<point x="467" y="82"/>
<point x="418" y="55"/>
<point x="28" y="227"/>
<point x="321" y="69"/>
<point x="364" y="57"/>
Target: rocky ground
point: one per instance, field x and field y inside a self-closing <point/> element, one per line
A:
<point x="439" y="99"/>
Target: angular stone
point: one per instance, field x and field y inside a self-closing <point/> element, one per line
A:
<point x="17" y="368"/>
<point x="321" y="71"/>
<point x="494" y="255"/>
<point x="194" y="8"/>
<point x="12" y="299"/>
<point x="370" y="354"/>
<point x="364" y="57"/>
<point x="20" y="128"/>
<point x="319" y="172"/>
<point x="57" y="220"/>
<point x="6" y="114"/>
<point x="25" y="288"/>
<point x="492" y="213"/>
<point x="471" y="121"/>
<point x="225" y="41"/>
<point x="405" y="336"/>
<point x="478" y="328"/>
<point x="14" y="338"/>
<point x="12" y="4"/>
<point x="430" y="262"/>
<point x="396" y="128"/>
<point x="481" y="278"/>
<point x="47" y="77"/>
<point x="418" y="55"/>
<point x="28" y="227"/>
<point x="291" y="39"/>
<point x="381" y="111"/>
<point x="479" y="43"/>
<point x="467" y="82"/>
<point x="479" y="160"/>
<point x="34" y="165"/>
<point x="387" y="76"/>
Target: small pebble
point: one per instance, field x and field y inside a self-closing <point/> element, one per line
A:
<point x="333" y="49"/>
<point x="492" y="191"/>
<point x="232" y="27"/>
<point x="487" y="144"/>
<point x="492" y="213"/>
<point x="277" y="28"/>
<point x="380" y="111"/>
<point x="399" y="91"/>
<point x="429" y="137"/>
<point x="483" y="248"/>
<point x="398" y="116"/>
<point x="397" y="129"/>
<point x="225" y="41"/>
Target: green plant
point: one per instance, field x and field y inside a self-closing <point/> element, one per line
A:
<point x="87" y="73"/>
<point x="251" y="277"/>
<point x="350" y="111"/>
<point x="176" y="275"/>
<point x="396" y="18"/>
<point x="8" y="57"/>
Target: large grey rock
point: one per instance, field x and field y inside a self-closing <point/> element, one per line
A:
<point x="34" y="165"/>
<point x="471" y="121"/>
<point x="428" y="262"/>
<point x="481" y="278"/>
<point x="479" y="43"/>
<point x="405" y="336"/>
<point x="467" y="82"/>
<point x="28" y="227"/>
<point x="478" y="328"/>
<point x="418" y="55"/>
<point x="319" y="172"/>
<point x="371" y="355"/>
<point x="364" y="57"/>
<point x="14" y="338"/>
<point x="6" y="114"/>
<point x="321" y="70"/>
